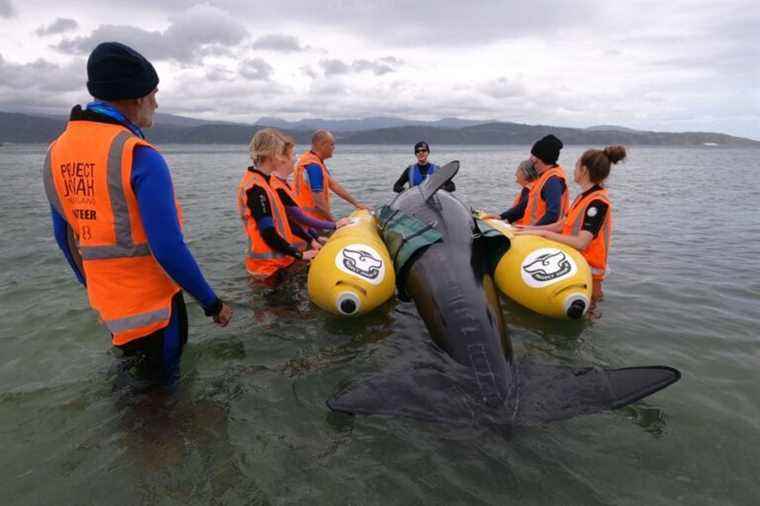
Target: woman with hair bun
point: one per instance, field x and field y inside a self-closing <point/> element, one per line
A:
<point x="588" y="224"/>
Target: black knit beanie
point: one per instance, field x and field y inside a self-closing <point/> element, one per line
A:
<point x="547" y="149"/>
<point x="117" y="72"/>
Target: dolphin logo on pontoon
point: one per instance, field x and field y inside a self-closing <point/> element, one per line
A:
<point x="362" y="263"/>
<point x="548" y="266"/>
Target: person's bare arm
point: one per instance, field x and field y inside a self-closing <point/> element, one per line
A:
<point x="320" y="202"/>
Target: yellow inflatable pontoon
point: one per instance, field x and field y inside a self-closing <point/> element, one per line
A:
<point x="352" y="274"/>
<point x="545" y="276"/>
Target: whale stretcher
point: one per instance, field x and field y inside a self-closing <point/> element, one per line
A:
<point x="353" y="272"/>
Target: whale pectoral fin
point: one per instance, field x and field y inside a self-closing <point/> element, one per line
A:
<point x="439" y="178"/>
<point x="551" y="392"/>
<point x="423" y="393"/>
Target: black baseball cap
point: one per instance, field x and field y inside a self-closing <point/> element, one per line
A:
<point x="421" y="146"/>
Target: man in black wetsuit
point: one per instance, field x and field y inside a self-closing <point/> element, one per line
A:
<point x="418" y="172"/>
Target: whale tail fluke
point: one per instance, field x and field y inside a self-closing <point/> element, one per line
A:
<point x="542" y="393"/>
<point x="552" y="392"/>
<point x="422" y="392"/>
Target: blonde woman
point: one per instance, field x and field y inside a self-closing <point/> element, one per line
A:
<point x="273" y="244"/>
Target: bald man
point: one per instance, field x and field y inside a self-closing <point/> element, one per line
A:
<point x="313" y="181"/>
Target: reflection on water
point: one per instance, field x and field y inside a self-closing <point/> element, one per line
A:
<point x="651" y="419"/>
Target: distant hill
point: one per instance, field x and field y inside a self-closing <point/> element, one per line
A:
<point x="24" y="128"/>
<point x="163" y="118"/>
<point x="612" y="128"/>
<point x="514" y="133"/>
<point x="357" y="125"/>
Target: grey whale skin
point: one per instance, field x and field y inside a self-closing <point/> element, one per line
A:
<point x="470" y="376"/>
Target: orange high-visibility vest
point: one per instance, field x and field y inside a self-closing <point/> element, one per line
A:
<point x="518" y="197"/>
<point x="280" y="184"/>
<point x="536" y="207"/>
<point x="87" y="176"/>
<point x="303" y="188"/>
<point x="261" y="260"/>
<point x="596" y="252"/>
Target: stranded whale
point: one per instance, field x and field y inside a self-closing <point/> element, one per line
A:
<point x="471" y="375"/>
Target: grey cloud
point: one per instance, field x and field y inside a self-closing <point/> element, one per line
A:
<point x="226" y="99"/>
<point x="199" y="31"/>
<point x="306" y="69"/>
<point x="378" y="67"/>
<point x="256" y="69"/>
<point x="216" y="73"/>
<point x="278" y="42"/>
<point x="6" y="9"/>
<point x="391" y="60"/>
<point x="503" y="88"/>
<point x="43" y="76"/>
<point x="444" y="23"/>
<point x="333" y="67"/>
<point x="41" y="84"/>
<point x="60" y="25"/>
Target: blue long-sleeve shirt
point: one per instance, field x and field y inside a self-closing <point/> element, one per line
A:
<point x="152" y="184"/>
<point x="517" y="211"/>
<point x="551" y="193"/>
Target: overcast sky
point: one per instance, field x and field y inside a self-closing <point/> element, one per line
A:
<point x="671" y="65"/>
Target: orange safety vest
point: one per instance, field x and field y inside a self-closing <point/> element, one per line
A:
<point x="303" y="188"/>
<point x="536" y="207"/>
<point x="280" y="184"/>
<point x="87" y="176"/>
<point x="517" y="199"/>
<point x="596" y="252"/>
<point x="261" y="260"/>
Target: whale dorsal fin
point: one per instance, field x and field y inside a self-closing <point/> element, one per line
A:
<point x="439" y="178"/>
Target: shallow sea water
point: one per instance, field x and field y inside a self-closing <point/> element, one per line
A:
<point x="249" y="424"/>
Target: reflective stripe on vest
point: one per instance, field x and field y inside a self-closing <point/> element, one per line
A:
<point x="47" y="178"/>
<point x="140" y="320"/>
<point x="125" y="246"/>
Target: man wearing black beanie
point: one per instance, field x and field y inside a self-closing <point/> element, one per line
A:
<point x="548" y="199"/>
<point x="116" y="220"/>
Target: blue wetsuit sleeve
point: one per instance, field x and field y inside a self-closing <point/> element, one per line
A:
<point x="299" y="216"/>
<point x="551" y="193"/>
<point x="152" y="184"/>
<point x="60" y="231"/>
<point x="316" y="182"/>
<point x="516" y="212"/>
